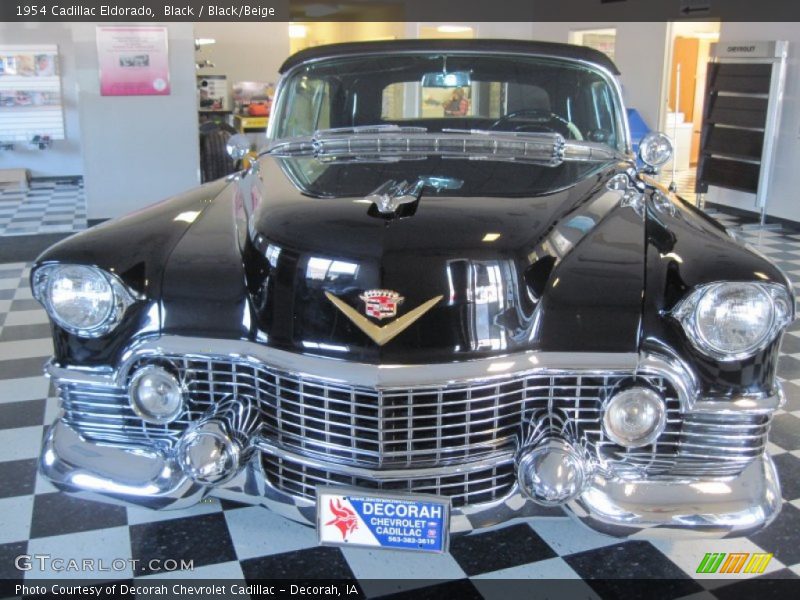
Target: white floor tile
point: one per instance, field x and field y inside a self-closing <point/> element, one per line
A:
<point x="138" y="514"/>
<point x="257" y="532"/>
<point x="397" y="564"/>
<point x="26" y="349"/>
<point x="566" y="536"/>
<point x="15" y="518"/>
<point x="112" y="546"/>
<point x="22" y="442"/>
<point x="24" y="388"/>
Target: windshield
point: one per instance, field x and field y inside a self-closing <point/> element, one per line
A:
<point x="444" y="92"/>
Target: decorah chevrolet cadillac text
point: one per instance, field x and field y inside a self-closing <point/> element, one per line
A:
<point x="445" y="295"/>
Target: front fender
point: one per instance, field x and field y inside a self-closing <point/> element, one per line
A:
<point x="136" y="248"/>
<point x="685" y="248"/>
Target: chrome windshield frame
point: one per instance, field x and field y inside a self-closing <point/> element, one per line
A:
<point x="608" y="77"/>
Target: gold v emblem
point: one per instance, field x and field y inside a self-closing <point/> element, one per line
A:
<point x="382" y="335"/>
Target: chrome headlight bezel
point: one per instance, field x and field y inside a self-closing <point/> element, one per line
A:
<point x="782" y="314"/>
<point x="122" y="298"/>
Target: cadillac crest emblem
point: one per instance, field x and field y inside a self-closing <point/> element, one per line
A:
<point x="381" y="304"/>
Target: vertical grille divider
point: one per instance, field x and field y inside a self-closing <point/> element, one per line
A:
<point x="440" y="403"/>
<point x="409" y="424"/>
<point x="278" y="408"/>
<point x="381" y="427"/>
<point x="468" y="427"/>
<point x="300" y="396"/>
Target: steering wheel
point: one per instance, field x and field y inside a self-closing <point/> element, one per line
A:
<point x="541" y="113"/>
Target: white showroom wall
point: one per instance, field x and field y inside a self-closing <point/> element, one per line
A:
<point x="783" y="200"/>
<point x="640" y="54"/>
<point x="137" y="149"/>
<point x="64" y="157"/>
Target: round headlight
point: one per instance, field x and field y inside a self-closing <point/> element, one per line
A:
<point x="655" y="149"/>
<point x="156" y="395"/>
<point x="80" y="298"/>
<point x="635" y="417"/>
<point x="734" y="318"/>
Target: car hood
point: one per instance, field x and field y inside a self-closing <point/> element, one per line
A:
<point x="464" y="274"/>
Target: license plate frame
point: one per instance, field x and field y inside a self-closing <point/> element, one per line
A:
<point x="370" y="535"/>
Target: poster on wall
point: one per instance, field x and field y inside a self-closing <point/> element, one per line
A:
<point x="134" y="61"/>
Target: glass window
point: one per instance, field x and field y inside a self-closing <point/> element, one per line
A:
<point x="456" y="91"/>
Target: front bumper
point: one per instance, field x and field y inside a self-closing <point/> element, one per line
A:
<point x="735" y="505"/>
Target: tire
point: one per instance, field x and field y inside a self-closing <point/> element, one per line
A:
<point x="214" y="159"/>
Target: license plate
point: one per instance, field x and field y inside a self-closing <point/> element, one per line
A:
<point x="347" y="517"/>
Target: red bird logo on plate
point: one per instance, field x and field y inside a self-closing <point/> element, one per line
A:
<point x="344" y="520"/>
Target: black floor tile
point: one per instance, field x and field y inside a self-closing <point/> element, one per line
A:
<point x="312" y="563"/>
<point x="203" y="539"/>
<point x="26" y="413"/>
<point x="22" y="367"/>
<point x="792" y="391"/>
<point x="27" y="304"/>
<point x="785" y="432"/>
<point x="10" y="273"/>
<point x="25" y="332"/>
<point x="8" y="555"/>
<point x="788" y="366"/>
<point x="625" y="570"/>
<point x="461" y="589"/>
<point x="232" y="504"/>
<point x="788" y="467"/>
<point x="781" y="536"/>
<point x="790" y="344"/>
<point x="499" y="549"/>
<point x="17" y="477"/>
<point x="778" y="585"/>
<point x="58" y="514"/>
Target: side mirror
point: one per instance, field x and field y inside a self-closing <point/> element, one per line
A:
<point x="238" y="146"/>
<point x="655" y="149"/>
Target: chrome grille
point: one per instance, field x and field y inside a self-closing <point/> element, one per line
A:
<point x="476" y="487"/>
<point x="424" y="426"/>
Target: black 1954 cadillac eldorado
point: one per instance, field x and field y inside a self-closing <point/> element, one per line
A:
<point x="442" y="298"/>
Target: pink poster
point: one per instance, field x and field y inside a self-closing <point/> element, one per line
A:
<point x="134" y="61"/>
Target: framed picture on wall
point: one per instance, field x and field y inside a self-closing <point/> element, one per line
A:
<point x="134" y="61"/>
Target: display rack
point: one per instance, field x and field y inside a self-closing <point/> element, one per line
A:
<point x="744" y="93"/>
<point x="31" y="109"/>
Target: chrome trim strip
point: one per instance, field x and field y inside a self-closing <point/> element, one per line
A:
<point x="334" y="370"/>
<point x="397" y="377"/>
<point x="500" y="458"/>
<point x="622" y="119"/>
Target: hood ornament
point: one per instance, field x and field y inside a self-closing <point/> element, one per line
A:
<point x="391" y="195"/>
<point x="382" y="304"/>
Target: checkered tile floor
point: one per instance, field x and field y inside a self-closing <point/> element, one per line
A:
<point x="226" y="540"/>
<point x="47" y="207"/>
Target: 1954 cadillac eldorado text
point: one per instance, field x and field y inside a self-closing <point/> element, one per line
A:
<point x="443" y="297"/>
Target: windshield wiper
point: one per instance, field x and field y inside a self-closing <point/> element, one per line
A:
<point x="384" y="143"/>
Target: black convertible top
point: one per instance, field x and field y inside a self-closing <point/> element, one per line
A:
<point x="569" y="51"/>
